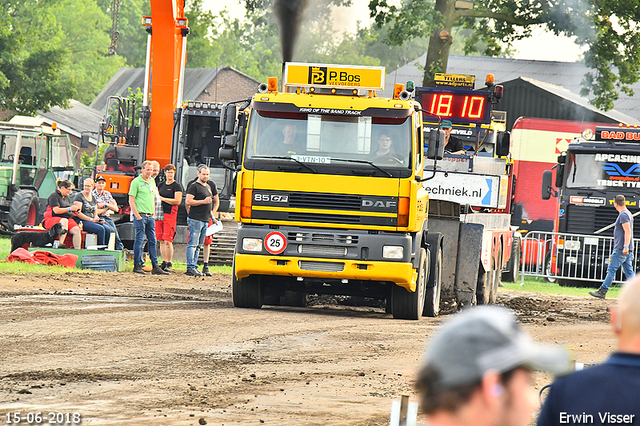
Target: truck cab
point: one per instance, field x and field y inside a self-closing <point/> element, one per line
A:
<point x="329" y="198"/>
<point x="590" y="173"/>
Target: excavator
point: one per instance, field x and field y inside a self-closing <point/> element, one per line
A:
<point x="163" y="128"/>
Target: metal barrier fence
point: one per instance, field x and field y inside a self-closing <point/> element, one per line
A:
<point x="569" y="257"/>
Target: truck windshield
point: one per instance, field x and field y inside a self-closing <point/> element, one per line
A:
<point x="321" y="138"/>
<point x="600" y="171"/>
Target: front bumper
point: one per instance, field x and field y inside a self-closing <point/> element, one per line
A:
<point x="402" y="274"/>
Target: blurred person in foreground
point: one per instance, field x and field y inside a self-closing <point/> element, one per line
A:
<point x="477" y="370"/>
<point x="606" y="393"/>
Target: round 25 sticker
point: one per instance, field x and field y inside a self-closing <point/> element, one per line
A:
<point x="275" y="242"/>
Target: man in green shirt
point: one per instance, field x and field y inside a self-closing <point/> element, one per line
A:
<point x="142" y="202"/>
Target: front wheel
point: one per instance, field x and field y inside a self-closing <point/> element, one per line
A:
<point x="406" y="304"/>
<point x="247" y="292"/>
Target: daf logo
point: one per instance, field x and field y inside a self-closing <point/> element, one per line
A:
<point x="379" y="204"/>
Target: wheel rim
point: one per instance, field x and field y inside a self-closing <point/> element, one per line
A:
<point x="423" y="285"/>
<point x="547" y="271"/>
<point x="31" y="215"/>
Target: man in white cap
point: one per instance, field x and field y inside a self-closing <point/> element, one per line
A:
<point x="607" y="393"/>
<point x="477" y="370"/>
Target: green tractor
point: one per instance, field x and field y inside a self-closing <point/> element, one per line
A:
<point x="32" y="159"/>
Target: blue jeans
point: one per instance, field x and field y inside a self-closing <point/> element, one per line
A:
<point x="108" y="223"/>
<point x="145" y="226"/>
<point x="615" y="261"/>
<point x="101" y="231"/>
<point x="197" y="233"/>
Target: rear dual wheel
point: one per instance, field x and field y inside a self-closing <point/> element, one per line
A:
<point x="434" y="285"/>
<point x="407" y="304"/>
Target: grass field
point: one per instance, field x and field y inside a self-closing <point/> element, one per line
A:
<point x="22" y="268"/>
<point x="539" y="285"/>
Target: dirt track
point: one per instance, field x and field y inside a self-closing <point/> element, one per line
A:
<point x="125" y="349"/>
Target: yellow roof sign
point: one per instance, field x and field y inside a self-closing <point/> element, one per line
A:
<point x="455" y="80"/>
<point x="343" y="76"/>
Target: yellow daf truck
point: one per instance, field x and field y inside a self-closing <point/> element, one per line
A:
<point x="329" y="196"/>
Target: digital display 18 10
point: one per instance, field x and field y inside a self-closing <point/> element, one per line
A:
<point x="457" y="105"/>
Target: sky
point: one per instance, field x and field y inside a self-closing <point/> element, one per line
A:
<point x="541" y="46"/>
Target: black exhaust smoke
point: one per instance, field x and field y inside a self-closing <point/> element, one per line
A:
<point x="290" y="14"/>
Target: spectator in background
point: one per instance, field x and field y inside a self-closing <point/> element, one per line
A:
<point x="477" y="370"/>
<point x="141" y="200"/>
<point x="607" y="393"/>
<point x="200" y="202"/>
<point x="158" y="213"/>
<point x="107" y="205"/>
<point x="60" y="210"/>
<point x="622" y="254"/>
<point x="208" y="240"/>
<point x="88" y="213"/>
<point x="170" y="193"/>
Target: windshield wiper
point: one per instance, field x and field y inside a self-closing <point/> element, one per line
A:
<point x="348" y="160"/>
<point x="278" y="157"/>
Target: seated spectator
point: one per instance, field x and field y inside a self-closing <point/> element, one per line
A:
<point x="88" y="213"/>
<point x="60" y="210"/>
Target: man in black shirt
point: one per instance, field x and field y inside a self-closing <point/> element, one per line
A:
<point x="452" y="144"/>
<point x="208" y="240"/>
<point x="200" y="202"/>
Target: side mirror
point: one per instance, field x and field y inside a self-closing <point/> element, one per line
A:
<point x="435" y="151"/>
<point x="503" y="144"/>
<point x="228" y="119"/>
<point x="230" y="141"/>
<point x="559" y="175"/>
<point x="240" y="133"/>
<point x="84" y="141"/>
<point x="227" y="154"/>
<point x="546" y="185"/>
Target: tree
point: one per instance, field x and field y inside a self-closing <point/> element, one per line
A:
<point x="84" y="35"/>
<point x="31" y="69"/>
<point x="608" y="28"/>
<point x="132" y="38"/>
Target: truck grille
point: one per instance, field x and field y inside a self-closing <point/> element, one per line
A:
<point x="322" y="237"/>
<point x="321" y="266"/>
<point x="587" y="220"/>
<point x="309" y="200"/>
<point x="329" y="218"/>
<point x="318" y="250"/>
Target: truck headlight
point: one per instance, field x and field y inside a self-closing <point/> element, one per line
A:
<point x="572" y="244"/>
<point x="252" y="244"/>
<point x="392" y="252"/>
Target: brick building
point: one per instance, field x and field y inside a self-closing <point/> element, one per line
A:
<point x="219" y="85"/>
